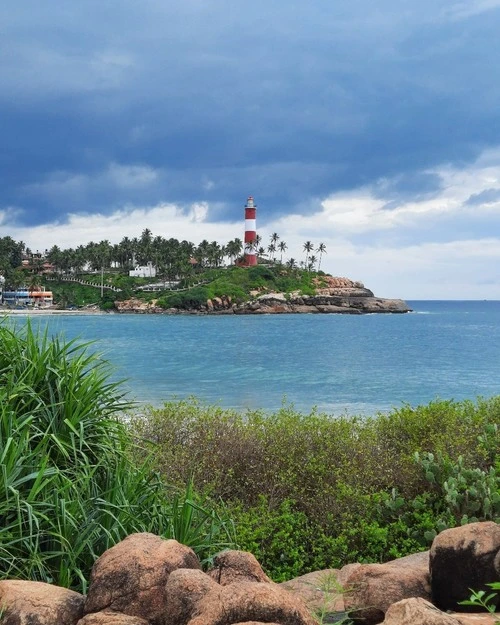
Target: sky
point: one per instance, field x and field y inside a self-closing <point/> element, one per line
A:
<point x="371" y="127"/>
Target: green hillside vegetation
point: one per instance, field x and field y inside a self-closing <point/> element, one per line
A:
<point x="201" y="272"/>
<point x="238" y="283"/>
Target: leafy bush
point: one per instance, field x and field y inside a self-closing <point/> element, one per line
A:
<point x="342" y="489"/>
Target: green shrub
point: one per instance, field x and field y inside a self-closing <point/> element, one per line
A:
<point x="343" y="488"/>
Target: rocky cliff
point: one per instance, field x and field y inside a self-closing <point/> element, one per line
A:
<point x="335" y="295"/>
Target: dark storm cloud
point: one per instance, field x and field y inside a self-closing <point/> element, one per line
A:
<point x="211" y="101"/>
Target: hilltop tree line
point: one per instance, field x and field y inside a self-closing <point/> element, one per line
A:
<point x="171" y="257"/>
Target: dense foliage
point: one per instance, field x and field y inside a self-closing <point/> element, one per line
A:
<point x="238" y="284"/>
<point x="313" y="491"/>
<point x="186" y="275"/>
<point x="70" y="488"/>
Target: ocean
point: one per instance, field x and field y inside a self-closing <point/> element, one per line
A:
<point x="335" y="363"/>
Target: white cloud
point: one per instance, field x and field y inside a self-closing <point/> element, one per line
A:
<point x="413" y="250"/>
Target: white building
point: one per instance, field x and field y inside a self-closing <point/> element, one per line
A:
<point x="147" y="271"/>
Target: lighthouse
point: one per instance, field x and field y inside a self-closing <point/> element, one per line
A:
<point x="250" y="232"/>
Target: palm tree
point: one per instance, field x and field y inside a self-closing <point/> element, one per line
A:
<point x="291" y="263"/>
<point x="271" y="248"/>
<point x="274" y="238"/>
<point x="233" y="249"/>
<point x="322" y="250"/>
<point x="283" y="246"/>
<point x="308" y="248"/>
<point x="312" y="262"/>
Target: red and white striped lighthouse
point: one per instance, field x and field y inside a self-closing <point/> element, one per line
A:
<point x="250" y="232"/>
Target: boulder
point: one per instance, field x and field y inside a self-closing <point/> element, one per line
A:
<point x="320" y="591"/>
<point x="418" y="560"/>
<point x="111" y="618"/>
<point x="416" y="611"/>
<point x="131" y="577"/>
<point x="185" y="588"/>
<point x="243" y="602"/>
<point x="476" y="619"/>
<point x="372" y="588"/>
<point x="237" y="566"/>
<point x="462" y="558"/>
<point x="37" y="603"/>
<point x="345" y="572"/>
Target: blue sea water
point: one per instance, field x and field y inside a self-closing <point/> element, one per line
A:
<point x="337" y="363"/>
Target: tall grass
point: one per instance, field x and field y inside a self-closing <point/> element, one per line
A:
<point x="70" y="488"/>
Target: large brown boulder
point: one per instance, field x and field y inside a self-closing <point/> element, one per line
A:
<point x="185" y="588"/>
<point x="320" y="591"/>
<point x="372" y="588"/>
<point x="237" y="566"/>
<point x="417" y="611"/>
<point x="250" y="601"/>
<point x="131" y="577"/>
<point x="111" y="618"/>
<point x="37" y="603"/>
<point x="462" y="558"/>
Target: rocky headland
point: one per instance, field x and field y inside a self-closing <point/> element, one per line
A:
<point x="336" y="295"/>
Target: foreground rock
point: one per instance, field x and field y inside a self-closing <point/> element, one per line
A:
<point x="417" y="611"/>
<point x="373" y="588"/>
<point x="463" y="558"/>
<point x="237" y="566"/>
<point x="131" y="576"/>
<point x="243" y="602"/>
<point x="145" y="580"/>
<point x="321" y="591"/>
<point x="36" y="603"/>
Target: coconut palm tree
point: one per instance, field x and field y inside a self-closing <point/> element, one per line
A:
<point x="283" y="247"/>
<point x="322" y="250"/>
<point x="274" y="238"/>
<point x="308" y="248"/>
<point x="234" y="249"/>
<point x="271" y="248"/>
<point x="312" y="262"/>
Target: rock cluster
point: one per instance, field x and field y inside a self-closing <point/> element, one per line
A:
<point x="421" y="589"/>
<point x="145" y="580"/>
<point x="341" y="296"/>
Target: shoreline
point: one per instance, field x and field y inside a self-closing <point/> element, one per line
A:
<point x="47" y="311"/>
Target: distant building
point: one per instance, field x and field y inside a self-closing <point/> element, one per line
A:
<point x="147" y="271"/>
<point x="39" y="298"/>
